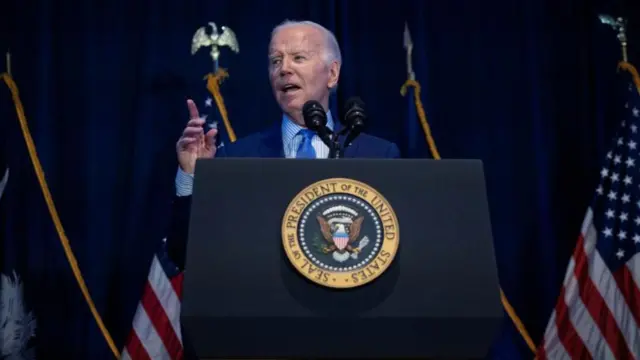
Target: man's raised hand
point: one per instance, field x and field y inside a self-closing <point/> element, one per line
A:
<point x="194" y="143"/>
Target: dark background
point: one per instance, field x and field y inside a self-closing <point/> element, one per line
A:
<point x="526" y="86"/>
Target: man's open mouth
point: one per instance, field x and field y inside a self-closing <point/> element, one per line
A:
<point x="290" y="88"/>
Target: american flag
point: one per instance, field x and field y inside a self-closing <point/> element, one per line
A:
<point x="598" y="309"/>
<point x="156" y="333"/>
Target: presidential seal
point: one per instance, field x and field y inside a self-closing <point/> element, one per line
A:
<point x="340" y="233"/>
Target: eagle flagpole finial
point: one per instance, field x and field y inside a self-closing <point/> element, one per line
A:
<point x="215" y="40"/>
<point x="620" y="25"/>
<point x="408" y="46"/>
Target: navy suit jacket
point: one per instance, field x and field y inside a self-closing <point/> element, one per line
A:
<point x="265" y="144"/>
<point x="268" y="144"/>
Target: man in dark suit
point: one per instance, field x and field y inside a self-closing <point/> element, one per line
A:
<point x="304" y="64"/>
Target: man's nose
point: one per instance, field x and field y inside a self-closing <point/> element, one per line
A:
<point x="285" y="69"/>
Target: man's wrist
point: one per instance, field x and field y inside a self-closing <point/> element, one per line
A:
<point x="184" y="183"/>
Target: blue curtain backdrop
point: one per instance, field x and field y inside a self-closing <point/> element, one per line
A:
<point x="526" y="86"/>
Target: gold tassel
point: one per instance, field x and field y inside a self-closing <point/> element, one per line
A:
<point x="516" y="321"/>
<point x="634" y="73"/>
<point x="54" y="214"/>
<point x="213" y="85"/>
<point x="421" y="115"/>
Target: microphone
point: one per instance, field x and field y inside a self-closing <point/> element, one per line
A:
<point x="315" y="118"/>
<point x="354" y="118"/>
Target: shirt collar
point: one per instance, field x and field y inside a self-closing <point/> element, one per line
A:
<point x="290" y="129"/>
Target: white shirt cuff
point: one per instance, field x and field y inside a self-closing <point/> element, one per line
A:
<point x="184" y="183"/>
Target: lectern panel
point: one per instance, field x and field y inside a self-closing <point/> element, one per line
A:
<point x="244" y="296"/>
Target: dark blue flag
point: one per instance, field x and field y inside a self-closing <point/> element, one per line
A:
<point x="418" y="142"/>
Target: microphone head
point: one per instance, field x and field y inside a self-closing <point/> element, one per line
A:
<point x="314" y="115"/>
<point x="354" y="114"/>
<point x="354" y="101"/>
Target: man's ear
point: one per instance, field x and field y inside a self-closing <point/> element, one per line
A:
<point x="334" y="75"/>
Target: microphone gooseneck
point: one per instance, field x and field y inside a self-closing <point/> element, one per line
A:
<point x="315" y="119"/>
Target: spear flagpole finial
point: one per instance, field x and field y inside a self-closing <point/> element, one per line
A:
<point x="408" y="46"/>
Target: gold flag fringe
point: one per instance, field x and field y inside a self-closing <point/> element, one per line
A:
<point x="213" y="85"/>
<point x="421" y="115"/>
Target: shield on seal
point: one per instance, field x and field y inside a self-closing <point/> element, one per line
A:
<point x="341" y="239"/>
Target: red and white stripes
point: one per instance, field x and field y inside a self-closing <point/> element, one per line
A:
<point x="598" y="311"/>
<point x="156" y="326"/>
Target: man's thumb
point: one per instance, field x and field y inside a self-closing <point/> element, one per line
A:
<point x="210" y="138"/>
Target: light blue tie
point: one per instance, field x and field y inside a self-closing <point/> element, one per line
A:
<point x="306" y="150"/>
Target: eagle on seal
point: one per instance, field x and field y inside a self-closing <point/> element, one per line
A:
<point x="340" y="236"/>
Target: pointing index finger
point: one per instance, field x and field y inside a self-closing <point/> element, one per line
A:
<point x="193" y="110"/>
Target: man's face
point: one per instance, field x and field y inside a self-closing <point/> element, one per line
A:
<point x="298" y="71"/>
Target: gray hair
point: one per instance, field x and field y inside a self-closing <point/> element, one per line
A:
<point x="332" y="50"/>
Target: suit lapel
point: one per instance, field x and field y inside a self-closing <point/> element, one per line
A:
<point x="271" y="142"/>
<point x="352" y="150"/>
